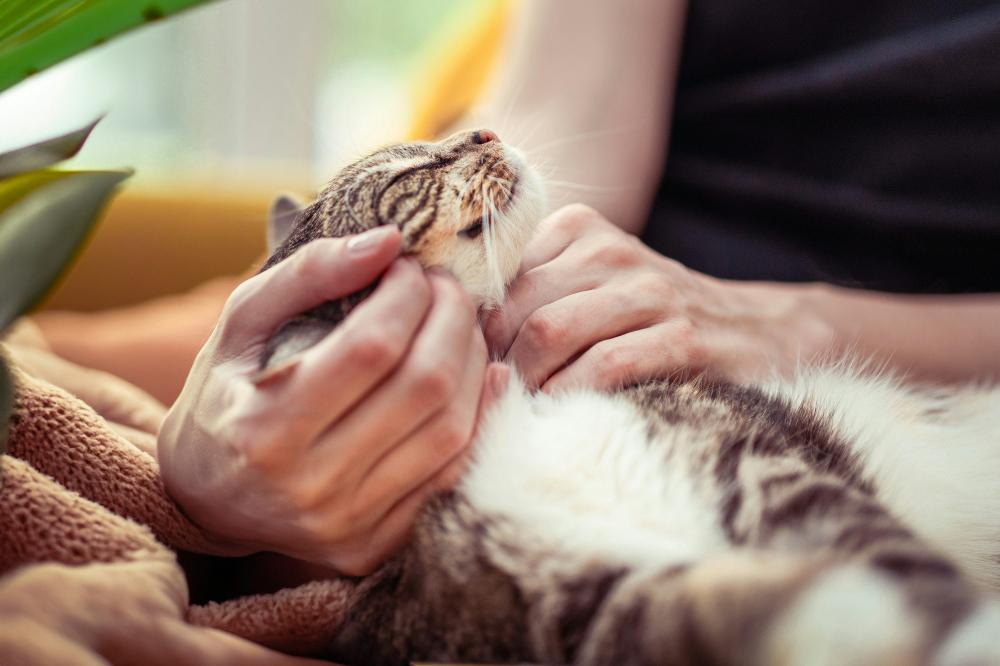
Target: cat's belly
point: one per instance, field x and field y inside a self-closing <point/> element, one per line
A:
<point x="577" y="475"/>
<point x="932" y="455"/>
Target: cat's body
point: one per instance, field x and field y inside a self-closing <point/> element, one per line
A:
<point x="836" y="518"/>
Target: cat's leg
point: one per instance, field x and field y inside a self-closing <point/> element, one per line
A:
<point x="782" y="505"/>
<point x="753" y="607"/>
<point x="821" y="574"/>
<point x="302" y="332"/>
<point x="294" y="336"/>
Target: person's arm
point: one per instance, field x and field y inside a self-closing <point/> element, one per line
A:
<point x="951" y="338"/>
<point x="586" y="89"/>
<point x="595" y="307"/>
<point x="151" y="344"/>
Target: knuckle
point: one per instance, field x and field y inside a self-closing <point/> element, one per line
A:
<point x="573" y="218"/>
<point x="415" y="284"/>
<point x="616" y="251"/>
<point x="236" y="308"/>
<point x="542" y="330"/>
<point x="307" y="495"/>
<point x="654" y="283"/>
<point x="257" y="448"/>
<point x="307" y="264"/>
<point x="434" y="384"/>
<point x="614" y="363"/>
<point x="374" y="348"/>
<point x="451" y="294"/>
<point x="685" y="337"/>
<point x="450" y="477"/>
<point x="581" y="213"/>
<point x="312" y="524"/>
<point x="450" y="437"/>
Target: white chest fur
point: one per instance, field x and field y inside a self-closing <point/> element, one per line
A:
<point x="577" y="475"/>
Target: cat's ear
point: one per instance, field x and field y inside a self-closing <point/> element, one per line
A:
<point x="281" y="218"/>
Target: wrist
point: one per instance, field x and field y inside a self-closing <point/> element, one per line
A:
<point x="806" y="315"/>
<point x="206" y="513"/>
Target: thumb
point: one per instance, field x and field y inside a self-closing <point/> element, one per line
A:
<point x="322" y="270"/>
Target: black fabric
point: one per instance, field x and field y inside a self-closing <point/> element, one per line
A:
<point x="855" y="142"/>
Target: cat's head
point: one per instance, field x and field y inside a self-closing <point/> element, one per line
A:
<point x="468" y="204"/>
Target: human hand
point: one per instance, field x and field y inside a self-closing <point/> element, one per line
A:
<point x="592" y="306"/>
<point x="330" y="460"/>
<point x="121" y="613"/>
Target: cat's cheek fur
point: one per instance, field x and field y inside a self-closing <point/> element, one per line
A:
<point x="487" y="264"/>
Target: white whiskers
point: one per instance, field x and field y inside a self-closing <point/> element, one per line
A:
<point x="491" y="218"/>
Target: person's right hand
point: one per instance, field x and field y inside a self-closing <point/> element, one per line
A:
<point x="330" y="459"/>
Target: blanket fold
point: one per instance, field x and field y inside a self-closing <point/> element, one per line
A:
<point x="76" y="492"/>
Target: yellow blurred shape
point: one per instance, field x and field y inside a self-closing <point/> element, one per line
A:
<point x="458" y="64"/>
<point x="152" y="243"/>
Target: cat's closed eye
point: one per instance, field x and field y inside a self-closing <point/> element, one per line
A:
<point x="472" y="231"/>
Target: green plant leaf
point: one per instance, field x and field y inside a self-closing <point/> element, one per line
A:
<point x="35" y="34"/>
<point x="14" y="189"/>
<point x="44" y="153"/>
<point x="6" y="404"/>
<point x="43" y="231"/>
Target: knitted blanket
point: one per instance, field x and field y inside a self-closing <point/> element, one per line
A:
<point x="89" y="539"/>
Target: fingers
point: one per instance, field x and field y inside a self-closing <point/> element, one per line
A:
<point x="556" y="233"/>
<point x="597" y="259"/>
<point x="555" y="333"/>
<point x="542" y="277"/>
<point x="430" y="378"/>
<point x="527" y="294"/>
<point x="429" y="449"/>
<point x="633" y="357"/>
<point x="325" y="269"/>
<point x="392" y="531"/>
<point x="494" y="386"/>
<point x="362" y="556"/>
<point x="346" y="366"/>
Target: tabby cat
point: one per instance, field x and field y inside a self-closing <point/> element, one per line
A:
<point x="835" y="518"/>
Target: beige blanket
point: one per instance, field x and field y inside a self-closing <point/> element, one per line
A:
<point x="88" y="571"/>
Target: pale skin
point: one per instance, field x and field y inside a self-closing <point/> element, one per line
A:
<point x="330" y="463"/>
<point x="594" y="307"/>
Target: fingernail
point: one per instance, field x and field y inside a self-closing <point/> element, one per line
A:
<point x="364" y="243"/>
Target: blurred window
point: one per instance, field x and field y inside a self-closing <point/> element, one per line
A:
<point x="274" y="92"/>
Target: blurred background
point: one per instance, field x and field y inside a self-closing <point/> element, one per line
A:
<point x="223" y="107"/>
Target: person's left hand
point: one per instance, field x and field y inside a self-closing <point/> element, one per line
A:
<point x="592" y="306"/>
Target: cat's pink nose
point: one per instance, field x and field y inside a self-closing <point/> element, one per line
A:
<point x="484" y="136"/>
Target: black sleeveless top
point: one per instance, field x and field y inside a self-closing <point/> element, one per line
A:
<point x="854" y="142"/>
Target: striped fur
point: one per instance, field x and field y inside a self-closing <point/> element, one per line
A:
<point x="432" y="192"/>
<point x="836" y="518"/>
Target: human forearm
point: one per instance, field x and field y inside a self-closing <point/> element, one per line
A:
<point x="935" y="338"/>
<point x="594" y="307"/>
<point x="587" y="92"/>
<point x="151" y="345"/>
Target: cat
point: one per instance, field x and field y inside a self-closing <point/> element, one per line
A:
<point x="838" y="517"/>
